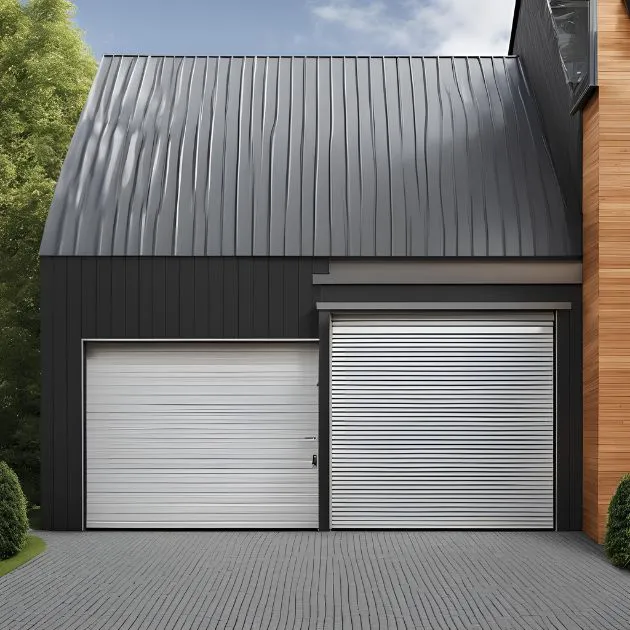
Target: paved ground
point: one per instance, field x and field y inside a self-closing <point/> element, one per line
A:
<point x="354" y="580"/>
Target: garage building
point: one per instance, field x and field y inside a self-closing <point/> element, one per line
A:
<point x="311" y="293"/>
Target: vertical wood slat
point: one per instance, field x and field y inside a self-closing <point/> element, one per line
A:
<point x="606" y="289"/>
<point x="590" y="293"/>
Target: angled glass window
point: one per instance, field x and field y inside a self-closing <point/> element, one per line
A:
<point x="575" y="26"/>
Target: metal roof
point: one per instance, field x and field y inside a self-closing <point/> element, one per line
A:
<point x="303" y="156"/>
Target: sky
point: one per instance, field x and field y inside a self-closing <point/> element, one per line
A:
<point x="296" y="27"/>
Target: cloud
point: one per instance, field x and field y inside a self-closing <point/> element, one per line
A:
<point x="429" y="27"/>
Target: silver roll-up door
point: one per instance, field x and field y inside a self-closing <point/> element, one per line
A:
<point x="201" y="435"/>
<point x="442" y="421"/>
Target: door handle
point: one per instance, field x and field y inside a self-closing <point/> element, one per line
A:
<point x="314" y="462"/>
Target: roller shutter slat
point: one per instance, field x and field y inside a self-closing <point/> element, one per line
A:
<point x="442" y="421"/>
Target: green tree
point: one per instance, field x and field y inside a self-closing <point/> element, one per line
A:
<point x="45" y="74"/>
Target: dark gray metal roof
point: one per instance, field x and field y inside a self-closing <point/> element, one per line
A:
<point x="294" y="156"/>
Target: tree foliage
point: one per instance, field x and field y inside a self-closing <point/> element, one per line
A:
<point x="13" y="520"/>
<point x="617" y="540"/>
<point x="45" y="74"/>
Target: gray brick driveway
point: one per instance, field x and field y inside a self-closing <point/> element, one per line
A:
<point x="354" y="580"/>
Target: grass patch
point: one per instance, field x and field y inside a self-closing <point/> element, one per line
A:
<point x="34" y="546"/>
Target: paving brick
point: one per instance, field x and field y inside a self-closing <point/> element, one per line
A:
<point x="309" y="580"/>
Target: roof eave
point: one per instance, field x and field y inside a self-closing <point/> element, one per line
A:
<point x="517" y="9"/>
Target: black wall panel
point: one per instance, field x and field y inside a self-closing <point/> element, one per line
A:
<point x="187" y="298"/>
<point x="535" y="43"/>
<point x="161" y="298"/>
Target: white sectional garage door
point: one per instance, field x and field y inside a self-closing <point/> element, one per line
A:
<point x="201" y="435"/>
<point x="442" y="421"/>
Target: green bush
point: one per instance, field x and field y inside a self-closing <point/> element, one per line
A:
<point x="13" y="519"/>
<point x="617" y="540"/>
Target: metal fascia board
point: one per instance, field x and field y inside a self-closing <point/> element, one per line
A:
<point x="443" y="306"/>
<point x="451" y="272"/>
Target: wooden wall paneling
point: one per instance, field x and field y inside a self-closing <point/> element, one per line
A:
<point x="607" y="269"/>
<point x="590" y="292"/>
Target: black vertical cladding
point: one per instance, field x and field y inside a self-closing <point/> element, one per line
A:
<point x="145" y="296"/>
<point x="216" y="282"/>
<point x="103" y="297"/>
<point x="142" y="297"/>
<point x="47" y="313"/>
<point x="324" y="421"/>
<point x="261" y="297"/>
<point x="576" y="410"/>
<point x="563" y="419"/>
<point x="59" y="377"/>
<point x="119" y="298"/>
<point x="245" y="284"/>
<point x="186" y="302"/>
<point x="201" y="297"/>
<point x="88" y="292"/>
<point x="230" y="299"/>
<point x="77" y="302"/>
<point x="158" y="295"/>
<point x="276" y="301"/>
<point x="172" y="298"/>
<point x="291" y="299"/>
<point x="132" y="297"/>
<point x="534" y="41"/>
<point x="74" y="419"/>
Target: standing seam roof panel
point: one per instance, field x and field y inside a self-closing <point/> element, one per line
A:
<point x="303" y="156"/>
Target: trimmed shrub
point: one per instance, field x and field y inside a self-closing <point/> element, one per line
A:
<point x="617" y="540"/>
<point x="13" y="519"/>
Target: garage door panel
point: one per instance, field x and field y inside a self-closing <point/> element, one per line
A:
<point x="201" y="435"/>
<point x="442" y="421"/>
